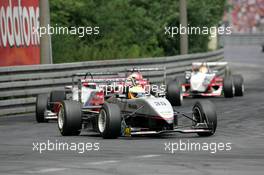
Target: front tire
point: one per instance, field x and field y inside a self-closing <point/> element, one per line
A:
<point x="70" y="118"/>
<point x="109" y="121"/>
<point x="205" y="112"/>
<point x="174" y="93"/>
<point x="41" y="107"/>
<point x="239" y="85"/>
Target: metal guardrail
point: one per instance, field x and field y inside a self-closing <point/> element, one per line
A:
<point x="242" y="39"/>
<point x="19" y="85"/>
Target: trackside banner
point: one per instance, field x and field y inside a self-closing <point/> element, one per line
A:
<point x="19" y="43"/>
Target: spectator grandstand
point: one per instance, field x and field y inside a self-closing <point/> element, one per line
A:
<point x="246" y="16"/>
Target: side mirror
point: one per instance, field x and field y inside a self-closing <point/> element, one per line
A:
<point x="188" y="75"/>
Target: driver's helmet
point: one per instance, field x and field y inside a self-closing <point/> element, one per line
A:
<point x="135" y="76"/>
<point x="203" y="69"/>
<point x="195" y="68"/>
<point x="136" y="92"/>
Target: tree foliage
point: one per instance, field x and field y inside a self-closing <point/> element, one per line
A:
<point x="128" y="28"/>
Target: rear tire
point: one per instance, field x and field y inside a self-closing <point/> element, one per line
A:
<point x="70" y="118"/>
<point x="95" y="124"/>
<point x="174" y="93"/>
<point x="41" y="107"/>
<point x="228" y="87"/>
<point x="175" y="122"/>
<point x="56" y="96"/>
<point x="205" y="112"/>
<point x="109" y="121"/>
<point x="239" y="85"/>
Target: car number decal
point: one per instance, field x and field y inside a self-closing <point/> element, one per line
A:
<point x="160" y="103"/>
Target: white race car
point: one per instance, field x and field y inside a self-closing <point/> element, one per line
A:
<point x="204" y="81"/>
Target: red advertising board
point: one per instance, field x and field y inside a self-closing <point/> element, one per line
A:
<point x="19" y="41"/>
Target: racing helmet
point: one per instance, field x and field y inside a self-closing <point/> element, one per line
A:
<point x="136" y="92"/>
<point x="195" y="68"/>
<point x="135" y="76"/>
<point x="203" y="69"/>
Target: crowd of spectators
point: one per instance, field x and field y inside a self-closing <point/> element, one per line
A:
<point x="246" y="16"/>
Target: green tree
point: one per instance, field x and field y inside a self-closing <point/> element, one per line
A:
<point x="128" y="28"/>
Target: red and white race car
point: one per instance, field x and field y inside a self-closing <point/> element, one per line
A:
<point x="90" y="91"/>
<point x="204" y="81"/>
<point x="130" y="113"/>
<point x="86" y="90"/>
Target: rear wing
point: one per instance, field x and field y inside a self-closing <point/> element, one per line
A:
<point x="118" y="72"/>
<point x="227" y="71"/>
<point x="91" y="74"/>
<point x="95" y="80"/>
<point x="210" y="63"/>
<point x="146" y="69"/>
<point x="105" y="80"/>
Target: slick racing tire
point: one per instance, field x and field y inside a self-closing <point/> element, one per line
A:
<point x="228" y="87"/>
<point x="109" y="121"/>
<point x="94" y="122"/>
<point x="174" y="93"/>
<point x="205" y="112"/>
<point x="227" y="71"/>
<point x="181" y="79"/>
<point x="175" y="121"/>
<point x="70" y="118"/>
<point x="239" y="85"/>
<point x="41" y="106"/>
<point x="56" y="96"/>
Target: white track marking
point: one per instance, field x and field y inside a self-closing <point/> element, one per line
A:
<point x="146" y="156"/>
<point x="102" y="162"/>
<point x="46" y="170"/>
<point x="115" y="161"/>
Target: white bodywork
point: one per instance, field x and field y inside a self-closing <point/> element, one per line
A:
<point x="162" y="107"/>
<point x="85" y="95"/>
<point x="200" y="81"/>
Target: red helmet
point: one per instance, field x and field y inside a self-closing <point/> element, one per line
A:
<point x="135" y="76"/>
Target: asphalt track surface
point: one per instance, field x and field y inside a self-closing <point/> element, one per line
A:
<point x="240" y="122"/>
